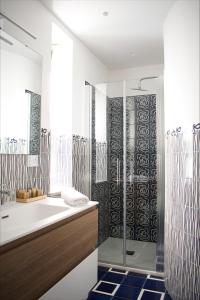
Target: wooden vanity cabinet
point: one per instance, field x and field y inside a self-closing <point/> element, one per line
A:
<point x="31" y="265"/>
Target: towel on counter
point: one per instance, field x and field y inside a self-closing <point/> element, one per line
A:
<point x="73" y="197"/>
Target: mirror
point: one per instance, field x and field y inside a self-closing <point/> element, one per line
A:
<point x="20" y="97"/>
<point x="101" y="132"/>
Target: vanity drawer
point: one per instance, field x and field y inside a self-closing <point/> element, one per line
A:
<point x="28" y="270"/>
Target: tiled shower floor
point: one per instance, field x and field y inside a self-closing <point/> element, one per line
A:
<point x="116" y="284"/>
<point x="111" y="251"/>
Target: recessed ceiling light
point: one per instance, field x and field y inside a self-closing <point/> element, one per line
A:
<point x="105" y="13"/>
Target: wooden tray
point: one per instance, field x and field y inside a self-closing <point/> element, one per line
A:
<point x="31" y="199"/>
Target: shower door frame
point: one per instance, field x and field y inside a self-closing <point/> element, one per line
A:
<point x="124" y="172"/>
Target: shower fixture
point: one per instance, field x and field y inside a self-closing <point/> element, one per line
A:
<point x="139" y="88"/>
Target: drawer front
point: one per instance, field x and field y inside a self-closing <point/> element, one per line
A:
<point x="28" y="271"/>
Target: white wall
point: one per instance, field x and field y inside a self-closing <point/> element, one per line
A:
<point x="181" y="48"/>
<point x="34" y="17"/>
<point x="86" y="67"/>
<point x="135" y="73"/>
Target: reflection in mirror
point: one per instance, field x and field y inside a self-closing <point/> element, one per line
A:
<point x="101" y="132"/>
<point x="20" y="100"/>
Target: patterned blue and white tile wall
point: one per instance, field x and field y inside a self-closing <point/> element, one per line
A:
<point x="107" y="187"/>
<point x="182" y="214"/>
<point x="141" y="167"/>
<point x="115" y="171"/>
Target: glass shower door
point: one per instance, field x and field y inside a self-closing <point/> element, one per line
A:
<point x="110" y="205"/>
<point x="124" y="173"/>
<point x="141" y="177"/>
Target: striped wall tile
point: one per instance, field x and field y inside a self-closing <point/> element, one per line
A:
<point x="15" y="173"/>
<point x="182" y="214"/>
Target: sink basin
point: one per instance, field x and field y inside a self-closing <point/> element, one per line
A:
<point x="22" y="219"/>
<point x="24" y="216"/>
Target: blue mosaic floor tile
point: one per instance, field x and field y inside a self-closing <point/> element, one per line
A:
<point x="150" y="296"/>
<point x="128" y="292"/>
<point x="155" y="285"/>
<point x="134" y="281"/>
<point x="101" y="272"/>
<point x="137" y="274"/>
<point x="104" y="269"/>
<point x="98" y="296"/>
<point x="128" y="287"/>
<point x="106" y="287"/>
<point x="118" y="298"/>
<point x="114" y="277"/>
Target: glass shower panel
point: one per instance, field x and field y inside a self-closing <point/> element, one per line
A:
<point x="125" y="155"/>
<point x="141" y="170"/>
<point x="111" y="206"/>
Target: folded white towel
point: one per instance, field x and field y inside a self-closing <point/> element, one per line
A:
<point x="73" y="197"/>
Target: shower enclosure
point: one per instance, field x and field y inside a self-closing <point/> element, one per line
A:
<point x="125" y="171"/>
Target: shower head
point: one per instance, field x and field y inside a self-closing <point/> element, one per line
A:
<point x="139" y="88"/>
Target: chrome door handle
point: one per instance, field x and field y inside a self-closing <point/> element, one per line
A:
<point x="118" y="171"/>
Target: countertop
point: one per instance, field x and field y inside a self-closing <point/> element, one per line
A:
<point x="20" y="225"/>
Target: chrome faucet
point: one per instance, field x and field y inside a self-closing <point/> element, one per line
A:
<point x="6" y="196"/>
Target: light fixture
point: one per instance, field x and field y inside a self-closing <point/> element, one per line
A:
<point x="6" y="40"/>
<point x="105" y="13"/>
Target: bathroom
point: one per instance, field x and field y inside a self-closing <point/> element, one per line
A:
<point x="100" y="123"/>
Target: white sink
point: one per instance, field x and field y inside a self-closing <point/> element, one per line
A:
<point x="25" y="218"/>
<point x="18" y="217"/>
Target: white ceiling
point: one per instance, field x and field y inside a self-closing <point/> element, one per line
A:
<point x="131" y="26"/>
